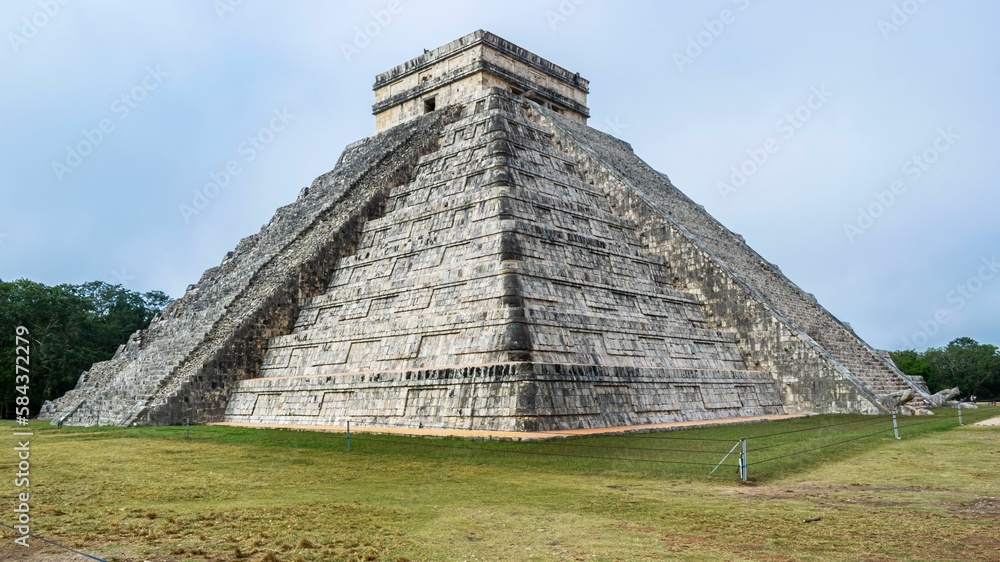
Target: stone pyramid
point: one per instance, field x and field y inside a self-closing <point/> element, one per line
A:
<point x="486" y="261"/>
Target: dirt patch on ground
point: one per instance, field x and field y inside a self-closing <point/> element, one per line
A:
<point x="979" y="508"/>
<point x="990" y="422"/>
<point x="860" y="494"/>
<point x="812" y="491"/>
<point x="39" y="551"/>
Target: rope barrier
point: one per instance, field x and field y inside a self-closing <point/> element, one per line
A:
<point x="941" y="419"/>
<point x="868" y="422"/>
<point x="821" y="447"/>
<point x="624" y="447"/>
<point x="654" y="436"/>
<point x="810" y="428"/>
<point x="784" y="444"/>
<point x="419" y="444"/>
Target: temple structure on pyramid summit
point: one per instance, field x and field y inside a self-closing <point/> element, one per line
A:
<point x="487" y="261"/>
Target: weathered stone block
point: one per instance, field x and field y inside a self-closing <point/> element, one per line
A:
<point x="488" y="263"/>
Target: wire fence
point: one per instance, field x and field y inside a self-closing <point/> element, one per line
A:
<point x="545" y="449"/>
<point x="736" y="451"/>
<point x="775" y="446"/>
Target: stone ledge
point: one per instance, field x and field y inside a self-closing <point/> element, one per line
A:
<point x="519" y="435"/>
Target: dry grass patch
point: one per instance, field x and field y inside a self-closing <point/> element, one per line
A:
<point x="235" y="494"/>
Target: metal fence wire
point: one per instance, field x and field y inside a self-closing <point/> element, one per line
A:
<point x="742" y="454"/>
<point x="890" y="423"/>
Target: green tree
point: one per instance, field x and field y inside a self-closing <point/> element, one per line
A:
<point x="913" y="363"/>
<point x="968" y="364"/>
<point x="971" y="366"/>
<point x="71" y="328"/>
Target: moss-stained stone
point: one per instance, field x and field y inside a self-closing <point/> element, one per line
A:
<point x="490" y="264"/>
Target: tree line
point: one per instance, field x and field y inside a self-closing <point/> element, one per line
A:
<point x="70" y="327"/>
<point x="971" y="366"/>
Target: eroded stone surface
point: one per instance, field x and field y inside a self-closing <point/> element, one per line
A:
<point x="493" y="265"/>
<point x="896" y="400"/>
<point x="185" y="364"/>
<point x="940" y="399"/>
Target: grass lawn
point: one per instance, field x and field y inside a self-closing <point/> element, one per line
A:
<point x="244" y="494"/>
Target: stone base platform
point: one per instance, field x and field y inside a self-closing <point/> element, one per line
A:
<point x="518" y="435"/>
<point x="521" y="397"/>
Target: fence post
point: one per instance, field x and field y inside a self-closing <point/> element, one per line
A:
<point x="738" y="443"/>
<point x="960" y="414"/>
<point x="895" y="426"/>
<point x="348" y="435"/>
<point x="187" y="427"/>
<point x="743" y="459"/>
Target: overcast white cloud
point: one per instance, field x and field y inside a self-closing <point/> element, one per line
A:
<point x="890" y="244"/>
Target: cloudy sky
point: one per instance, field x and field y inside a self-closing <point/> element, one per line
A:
<point x="852" y="143"/>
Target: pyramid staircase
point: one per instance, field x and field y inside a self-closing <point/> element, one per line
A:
<point x="487" y="261"/>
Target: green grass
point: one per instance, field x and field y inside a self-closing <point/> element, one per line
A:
<point x="244" y="494"/>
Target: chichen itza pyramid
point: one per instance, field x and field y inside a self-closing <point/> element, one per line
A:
<point x="486" y="261"/>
